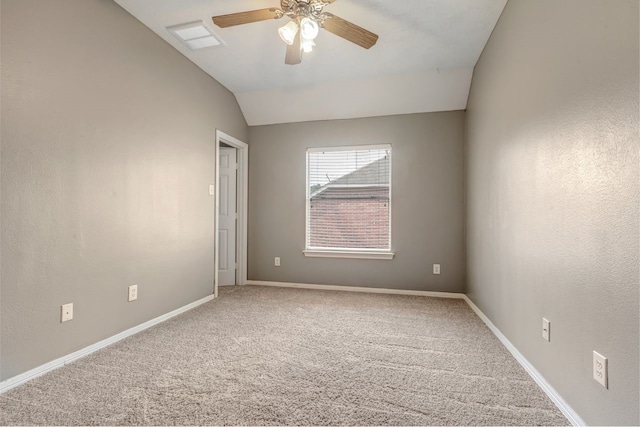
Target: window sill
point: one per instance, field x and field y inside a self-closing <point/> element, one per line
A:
<point x="348" y="254"/>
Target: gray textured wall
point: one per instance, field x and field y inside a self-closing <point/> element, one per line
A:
<point x="552" y="178"/>
<point x="108" y="139"/>
<point x="427" y="202"/>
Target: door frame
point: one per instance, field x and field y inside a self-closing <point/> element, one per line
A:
<point x="242" y="197"/>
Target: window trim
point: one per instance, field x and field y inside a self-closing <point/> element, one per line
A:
<point x="347" y="253"/>
<point x="385" y="254"/>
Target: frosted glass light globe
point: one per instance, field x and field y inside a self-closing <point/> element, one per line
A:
<point x="288" y="32"/>
<point x="309" y="28"/>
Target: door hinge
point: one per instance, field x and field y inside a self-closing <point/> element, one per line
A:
<point x="235" y="215"/>
<point x="236" y="166"/>
<point x="236" y="266"/>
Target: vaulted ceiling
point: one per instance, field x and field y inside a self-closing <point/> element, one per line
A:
<point x="423" y="60"/>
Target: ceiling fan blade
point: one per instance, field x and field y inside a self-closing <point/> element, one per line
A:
<point x="349" y="31"/>
<point x="224" y="21"/>
<point x="294" y="52"/>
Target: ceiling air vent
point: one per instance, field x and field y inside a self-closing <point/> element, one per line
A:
<point x="195" y="35"/>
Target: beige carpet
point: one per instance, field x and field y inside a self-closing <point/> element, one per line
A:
<point x="261" y="355"/>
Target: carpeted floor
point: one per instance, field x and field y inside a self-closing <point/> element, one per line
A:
<point x="260" y="355"/>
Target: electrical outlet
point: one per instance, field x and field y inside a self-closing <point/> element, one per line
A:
<point x="66" y="312"/>
<point x="212" y="189"/>
<point x="133" y="293"/>
<point x="276" y="261"/>
<point x="546" y="331"/>
<point x="436" y="268"/>
<point x="600" y="367"/>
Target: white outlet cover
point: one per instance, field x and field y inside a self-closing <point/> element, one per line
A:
<point x="546" y="329"/>
<point x="212" y="189"/>
<point x="133" y="293"/>
<point x="276" y="261"/>
<point x="66" y="312"/>
<point x="436" y="268"/>
<point x="600" y="369"/>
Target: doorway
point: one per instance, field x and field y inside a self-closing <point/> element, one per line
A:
<point x="231" y="185"/>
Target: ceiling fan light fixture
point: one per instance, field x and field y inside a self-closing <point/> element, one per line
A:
<point x="306" y="18"/>
<point x="309" y="28"/>
<point x="288" y="32"/>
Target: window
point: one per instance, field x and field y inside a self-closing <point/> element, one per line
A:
<point x="349" y="202"/>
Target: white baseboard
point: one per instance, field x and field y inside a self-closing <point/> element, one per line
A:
<point x="564" y="407"/>
<point x="10" y="383"/>
<point x="356" y="289"/>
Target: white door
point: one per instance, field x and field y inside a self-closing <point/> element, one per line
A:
<point x="227" y="218"/>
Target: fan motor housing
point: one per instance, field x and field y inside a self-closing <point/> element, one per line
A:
<point x="303" y="9"/>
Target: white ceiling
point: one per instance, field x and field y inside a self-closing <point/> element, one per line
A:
<point x="423" y="60"/>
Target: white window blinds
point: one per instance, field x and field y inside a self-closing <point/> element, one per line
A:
<point x="348" y="198"/>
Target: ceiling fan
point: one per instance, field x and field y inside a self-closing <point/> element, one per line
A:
<point x="307" y="17"/>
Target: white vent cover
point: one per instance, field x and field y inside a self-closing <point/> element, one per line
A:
<point x="195" y="35"/>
